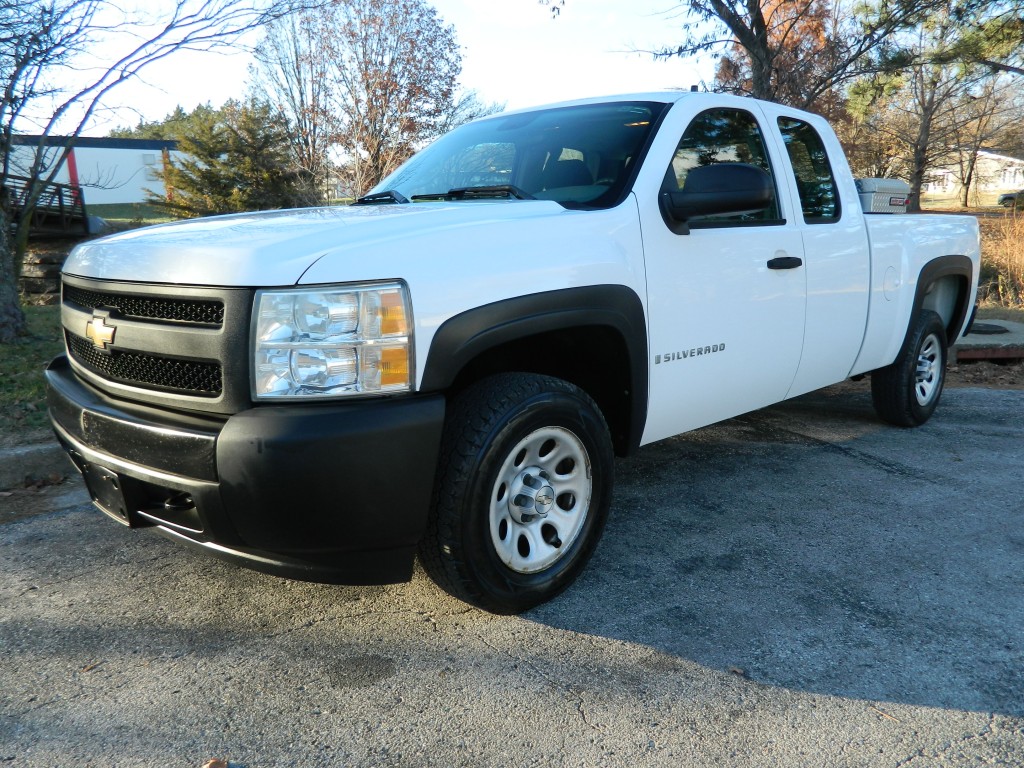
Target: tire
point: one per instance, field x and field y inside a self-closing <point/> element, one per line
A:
<point x="906" y="392"/>
<point x="523" y="490"/>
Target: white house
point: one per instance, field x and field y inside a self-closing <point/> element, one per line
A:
<point x="995" y="172"/>
<point x="108" y="170"/>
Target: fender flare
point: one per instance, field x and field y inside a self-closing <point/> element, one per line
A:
<point x="466" y="336"/>
<point x="947" y="266"/>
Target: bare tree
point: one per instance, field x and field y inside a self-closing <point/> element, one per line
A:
<point x="292" y="72"/>
<point x="804" y="39"/>
<point x="467" y="106"/>
<point x="364" y="82"/>
<point x="797" y="51"/>
<point x="983" y="116"/>
<point x="47" y="44"/>
<point x="910" y="119"/>
<point x="871" y="152"/>
<point x="394" y="78"/>
<point x="922" y="109"/>
<point x="554" y="5"/>
<point x="931" y="113"/>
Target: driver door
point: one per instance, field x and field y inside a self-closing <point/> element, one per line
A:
<point x="726" y="302"/>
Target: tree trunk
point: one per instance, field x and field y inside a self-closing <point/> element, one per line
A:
<point x="12" y="318"/>
<point x="12" y="323"/>
<point x="965" y="185"/>
<point x="762" y="85"/>
<point x="921" y="146"/>
<point x="917" y="173"/>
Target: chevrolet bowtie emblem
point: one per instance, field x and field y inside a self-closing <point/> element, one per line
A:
<point x="99" y="333"/>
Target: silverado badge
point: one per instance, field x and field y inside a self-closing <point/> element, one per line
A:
<point x="99" y="333"/>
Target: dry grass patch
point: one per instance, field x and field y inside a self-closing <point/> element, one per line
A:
<point x="1002" y="260"/>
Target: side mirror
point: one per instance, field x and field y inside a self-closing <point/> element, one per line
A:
<point x="717" y="189"/>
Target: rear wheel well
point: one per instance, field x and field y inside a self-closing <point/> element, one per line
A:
<point x="947" y="297"/>
<point x="594" y="358"/>
<point x="944" y="287"/>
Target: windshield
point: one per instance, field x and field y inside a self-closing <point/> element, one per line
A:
<point x="579" y="156"/>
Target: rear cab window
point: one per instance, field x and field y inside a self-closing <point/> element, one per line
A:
<point x="815" y="182"/>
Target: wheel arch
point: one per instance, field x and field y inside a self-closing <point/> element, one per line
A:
<point x="594" y="337"/>
<point x="944" y="286"/>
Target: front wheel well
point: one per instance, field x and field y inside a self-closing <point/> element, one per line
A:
<point x="594" y="358"/>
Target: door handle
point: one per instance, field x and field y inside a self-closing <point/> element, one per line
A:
<point x="785" y="262"/>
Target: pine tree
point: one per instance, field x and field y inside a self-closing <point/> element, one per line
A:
<point x="232" y="159"/>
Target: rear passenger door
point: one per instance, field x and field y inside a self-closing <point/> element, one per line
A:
<point x="726" y="301"/>
<point x="837" y="258"/>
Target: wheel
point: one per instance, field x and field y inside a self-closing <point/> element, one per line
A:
<point x="906" y="392"/>
<point x="523" y="491"/>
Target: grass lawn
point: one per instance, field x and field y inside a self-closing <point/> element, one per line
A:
<point x="124" y="215"/>
<point x="980" y="201"/>
<point x="22" y="388"/>
<point x="995" y="312"/>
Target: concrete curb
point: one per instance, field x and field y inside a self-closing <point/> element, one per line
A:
<point x="1002" y="346"/>
<point x="26" y="463"/>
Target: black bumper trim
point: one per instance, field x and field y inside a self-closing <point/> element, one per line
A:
<point x="146" y="437"/>
<point x="392" y="566"/>
<point x="300" y="478"/>
<point x="335" y="493"/>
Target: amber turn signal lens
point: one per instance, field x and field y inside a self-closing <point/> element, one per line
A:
<point x="394" y="367"/>
<point x="392" y="314"/>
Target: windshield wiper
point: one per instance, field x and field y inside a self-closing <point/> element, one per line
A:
<point x="477" y="193"/>
<point x="382" y="198"/>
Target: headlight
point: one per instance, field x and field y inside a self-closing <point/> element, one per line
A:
<point x="330" y="342"/>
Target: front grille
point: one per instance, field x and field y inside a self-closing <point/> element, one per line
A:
<point x="192" y="377"/>
<point x="188" y="311"/>
<point x="180" y="347"/>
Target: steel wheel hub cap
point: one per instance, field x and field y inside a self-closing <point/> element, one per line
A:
<point x="531" y="496"/>
<point x="540" y="500"/>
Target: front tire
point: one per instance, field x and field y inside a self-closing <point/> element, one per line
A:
<point x="523" y="492"/>
<point x="907" y="392"/>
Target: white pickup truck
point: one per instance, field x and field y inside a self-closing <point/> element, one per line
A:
<point x="449" y="366"/>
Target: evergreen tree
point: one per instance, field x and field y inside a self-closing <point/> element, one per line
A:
<point x="177" y="124"/>
<point x="236" y="158"/>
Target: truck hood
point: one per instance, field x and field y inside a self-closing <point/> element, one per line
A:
<point x="278" y="247"/>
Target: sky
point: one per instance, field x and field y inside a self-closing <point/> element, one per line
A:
<point x="514" y="53"/>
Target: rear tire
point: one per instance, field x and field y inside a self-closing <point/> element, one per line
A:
<point x="523" y="491"/>
<point x="907" y="392"/>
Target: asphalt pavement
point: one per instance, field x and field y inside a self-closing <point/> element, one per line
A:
<point x="801" y="586"/>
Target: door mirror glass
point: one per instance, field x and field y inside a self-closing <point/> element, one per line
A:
<point x="720" y="174"/>
<point x="724" y="188"/>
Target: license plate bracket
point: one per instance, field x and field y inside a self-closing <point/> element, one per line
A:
<point x="105" y="489"/>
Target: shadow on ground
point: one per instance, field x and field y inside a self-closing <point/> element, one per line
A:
<point x="808" y="546"/>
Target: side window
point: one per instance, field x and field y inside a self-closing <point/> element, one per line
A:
<point x="721" y="136"/>
<point x="819" y="197"/>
